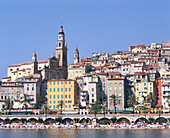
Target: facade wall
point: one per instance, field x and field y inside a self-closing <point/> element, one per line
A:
<point x="64" y="90"/>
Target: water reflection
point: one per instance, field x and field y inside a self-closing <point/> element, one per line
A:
<point x="93" y="133"/>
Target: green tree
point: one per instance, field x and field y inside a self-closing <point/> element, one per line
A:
<point x="113" y="97"/>
<point x="145" y="110"/>
<point x="23" y="120"/>
<point x="26" y="100"/>
<point x="132" y="101"/>
<point x="45" y="110"/>
<point x="96" y="108"/>
<point x="79" y="107"/>
<point x="151" y="98"/>
<point x="60" y="105"/>
<point x="41" y="100"/>
<point x="9" y="103"/>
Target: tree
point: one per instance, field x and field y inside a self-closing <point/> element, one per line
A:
<point x="42" y="99"/>
<point x="26" y="100"/>
<point x="45" y="110"/>
<point x="132" y="101"/>
<point x="23" y="120"/>
<point x="9" y="103"/>
<point x="79" y="107"/>
<point x="151" y="98"/>
<point x="113" y="97"/>
<point x="60" y="105"/>
<point x="145" y="110"/>
<point x="96" y="108"/>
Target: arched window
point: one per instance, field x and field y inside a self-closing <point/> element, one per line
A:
<point x="59" y="44"/>
<point x="59" y="56"/>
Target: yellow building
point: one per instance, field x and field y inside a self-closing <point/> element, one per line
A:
<point x="143" y="89"/>
<point x="61" y="90"/>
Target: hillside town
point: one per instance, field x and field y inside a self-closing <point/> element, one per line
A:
<point x="119" y="82"/>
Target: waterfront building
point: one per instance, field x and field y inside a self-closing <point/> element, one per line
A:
<point x="116" y="86"/>
<point x="61" y="90"/>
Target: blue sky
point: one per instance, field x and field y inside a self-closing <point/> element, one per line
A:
<point x="92" y="25"/>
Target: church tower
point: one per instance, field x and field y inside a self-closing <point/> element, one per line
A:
<point x="34" y="64"/>
<point x="76" y="56"/>
<point x="61" y="51"/>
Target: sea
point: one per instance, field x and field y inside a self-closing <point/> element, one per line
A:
<point x="84" y="133"/>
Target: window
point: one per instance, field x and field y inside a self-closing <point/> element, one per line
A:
<point x="54" y="82"/>
<point x="58" y="89"/>
<point x="66" y="89"/>
<point x="62" y="89"/>
<point x="32" y="88"/>
<point x="110" y="82"/>
<point x="120" y="88"/>
<point x="70" y="75"/>
<point x="123" y="69"/>
<point x="61" y="82"/>
<point x="61" y="96"/>
<point x="65" y="101"/>
<point x="58" y="96"/>
<point x="69" y="106"/>
<point x="54" y="102"/>
<point x="65" y="96"/>
<point x="50" y="89"/>
<point x="137" y="88"/>
<point x="65" y="82"/>
<point x="54" y="96"/>
<point x="54" y="89"/>
<point x="115" y="82"/>
<point x="92" y="89"/>
<point x="69" y="82"/>
<point x="54" y="107"/>
<point x="69" y="101"/>
<point x="144" y="84"/>
<point x="69" y="96"/>
<point x="50" y="102"/>
<point x="69" y="89"/>
<point x="27" y="88"/>
<point x="115" y="88"/>
<point x="50" y="96"/>
<point x="58" y="82"/>
<point x="92" y="95"/>
<point x="120" y="81"/>
<point x="50" y="106"/>
<point x="150" y="88"/>
<point x="59" y="44"/>
<point x="110" y="88"/>
<point x="50" y="82"/>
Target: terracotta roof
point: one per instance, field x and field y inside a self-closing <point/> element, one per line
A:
<point x="98" y="68"/>
<point x="116" y="79"/>
<point x="7" y="77"/>
<point x="141" y="45"/>
<point x="102" y="73"/>
<point x="113" y="72"/>
<point x="61" y="80"/>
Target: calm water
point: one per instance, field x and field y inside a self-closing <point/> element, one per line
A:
<point x="7" y="133"/>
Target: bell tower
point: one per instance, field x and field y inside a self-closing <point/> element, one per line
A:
<point x="34" y="63"/>
<point x="61" y="51"/>
<point x="76" y="56"/>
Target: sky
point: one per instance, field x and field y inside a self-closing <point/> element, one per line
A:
<point x="91" y="25"/>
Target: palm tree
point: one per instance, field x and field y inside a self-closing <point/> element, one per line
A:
<point x="96" y="108"/>
<point x="60" y="105"/>
<point x="45" y="110"/>
<point x="79" y="107"/>
<point x="145" y="110"/>
<point x="26" y="101"/>
<point x="42" y="99"/>
<point x="132" y="101"/>
<point x="151" y="98"/>
<point x="113" y="97"/>
<point x="9" y="103"/>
